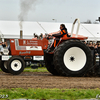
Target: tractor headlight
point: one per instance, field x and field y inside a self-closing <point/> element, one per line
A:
<point x="5" y="51"/>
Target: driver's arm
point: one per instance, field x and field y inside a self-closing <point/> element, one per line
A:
<point x="58" y="34"/>
<point x="63" y="32"/>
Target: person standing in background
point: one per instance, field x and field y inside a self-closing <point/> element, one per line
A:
<point x="4" y="44"/>
<point x="1" y="47"/>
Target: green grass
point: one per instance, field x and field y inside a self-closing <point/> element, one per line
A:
<point x="70" y="94"/>
<point x="40" y="69"/>
<point x="29" y="69"/>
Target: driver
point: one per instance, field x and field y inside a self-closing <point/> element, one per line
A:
<point x="63" y="33"/>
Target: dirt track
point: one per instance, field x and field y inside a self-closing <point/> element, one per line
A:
<point x="46" y="80"/>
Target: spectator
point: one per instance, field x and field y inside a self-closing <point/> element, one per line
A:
<point x="1" y="47"/>
<point x="87" y="44"/>
<point x="84" y="42"/>
<point x="3" y="44"/>
<point x="6" y="44"/>
<point x="95" y="49"/>
<point x="94" y="44"/>
<point x="91" y="46"/>
<point x="99" y="48"/>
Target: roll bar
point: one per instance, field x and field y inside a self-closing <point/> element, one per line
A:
<point x="77" y="27"/>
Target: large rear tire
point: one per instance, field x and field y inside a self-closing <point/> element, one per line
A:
<point x="72" y="58"/>
<point x="4" y="67"/>
<point x="15" y="65"/>
<point x="49" y="63"/>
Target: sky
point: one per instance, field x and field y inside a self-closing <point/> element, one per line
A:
<point x="47" y="10"/>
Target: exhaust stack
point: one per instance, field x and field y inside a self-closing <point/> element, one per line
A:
<point x="21" y="34"/>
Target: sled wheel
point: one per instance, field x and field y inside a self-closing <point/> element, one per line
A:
<point x="15" y="65"/>
<point x="4" y="66"/>
<point x="49" y="63"/>
<point x="72" y="58"/>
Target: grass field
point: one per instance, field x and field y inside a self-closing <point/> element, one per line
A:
<point x="29" y="69"/>
<point x="40" y="69"/>
<point x="70" y="94"/>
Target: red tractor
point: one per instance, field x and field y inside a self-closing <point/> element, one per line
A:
<point x="71" y="57"/>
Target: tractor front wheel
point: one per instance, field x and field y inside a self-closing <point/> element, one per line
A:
<point x="15" y="65"/>
<point x="72" y="58"/>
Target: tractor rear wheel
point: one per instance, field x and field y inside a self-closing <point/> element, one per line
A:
<point x="49" y="63"/>
<point x="72" y="58"/>
<point x="4" y="67"/>
<point x="15" y="65"/>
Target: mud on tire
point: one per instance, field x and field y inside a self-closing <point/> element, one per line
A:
<point x="72" y="58"/>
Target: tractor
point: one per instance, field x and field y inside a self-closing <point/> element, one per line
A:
<point x="71" y="57"/>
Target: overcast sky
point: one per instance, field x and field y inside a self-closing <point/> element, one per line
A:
<point x="46" y="10"/>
